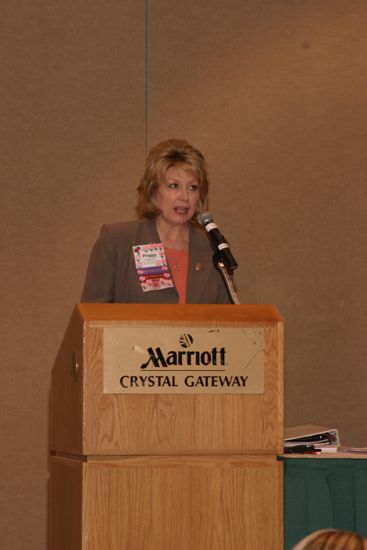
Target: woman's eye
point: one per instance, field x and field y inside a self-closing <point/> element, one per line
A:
<point x="174" y="185"/>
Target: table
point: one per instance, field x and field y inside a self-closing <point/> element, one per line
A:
<point x="324" y="491"/>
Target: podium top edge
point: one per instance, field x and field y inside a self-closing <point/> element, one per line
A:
<point x="184" y="312"/>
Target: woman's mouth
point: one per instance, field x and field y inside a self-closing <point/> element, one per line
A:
<point x="181" y="209"/>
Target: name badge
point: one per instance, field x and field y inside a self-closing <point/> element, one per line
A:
<point x="151" y="266"/>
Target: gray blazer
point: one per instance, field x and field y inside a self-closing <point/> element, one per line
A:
<point x="112" y="276"/>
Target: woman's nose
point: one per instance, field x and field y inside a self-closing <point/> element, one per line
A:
<point x="184" y="192"/>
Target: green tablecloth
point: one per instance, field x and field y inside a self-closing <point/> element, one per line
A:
<point x="321" y="493"/>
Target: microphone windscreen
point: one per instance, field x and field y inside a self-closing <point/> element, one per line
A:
<point x="205" y="217"/>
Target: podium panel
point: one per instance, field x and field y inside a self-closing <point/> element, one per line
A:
<point x="167" y="469"/>
<point x="86" y="421"/>
<point x="160" y="503"/>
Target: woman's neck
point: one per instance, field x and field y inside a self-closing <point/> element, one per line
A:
<point x="173" y="236"/>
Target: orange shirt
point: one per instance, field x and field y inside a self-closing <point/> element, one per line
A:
<point x="178" y="261"/>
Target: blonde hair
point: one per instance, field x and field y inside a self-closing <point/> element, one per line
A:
<point x="168" y="153"/>
<point x="332" y="539"/>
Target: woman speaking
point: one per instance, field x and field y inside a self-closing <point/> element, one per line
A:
<point x="164" y="256"/>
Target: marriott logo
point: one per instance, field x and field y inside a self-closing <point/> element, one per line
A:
<point x="178" y="358"/>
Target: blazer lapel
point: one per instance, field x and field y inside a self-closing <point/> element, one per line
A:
<point x="199" y="265"/>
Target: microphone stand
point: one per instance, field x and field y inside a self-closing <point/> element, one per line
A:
<point x="226" y="274"/>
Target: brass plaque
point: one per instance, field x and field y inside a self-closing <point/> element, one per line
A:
<point x="183" y="360"/>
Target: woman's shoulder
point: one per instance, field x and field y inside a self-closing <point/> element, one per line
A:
<point x="121" y="227"/>
<point x="126" y="228"/>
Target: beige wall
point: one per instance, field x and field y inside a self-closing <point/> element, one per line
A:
<point x="274" y="93"/>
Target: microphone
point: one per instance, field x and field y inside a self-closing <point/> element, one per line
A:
<point x="217" y="241"/>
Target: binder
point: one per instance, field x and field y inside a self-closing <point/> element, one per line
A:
<point x="309" y="434"/>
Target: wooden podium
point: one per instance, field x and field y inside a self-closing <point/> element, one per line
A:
<point x="172" y="452"/>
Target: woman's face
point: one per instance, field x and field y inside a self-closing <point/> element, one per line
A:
<point x="177" y="196"/>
